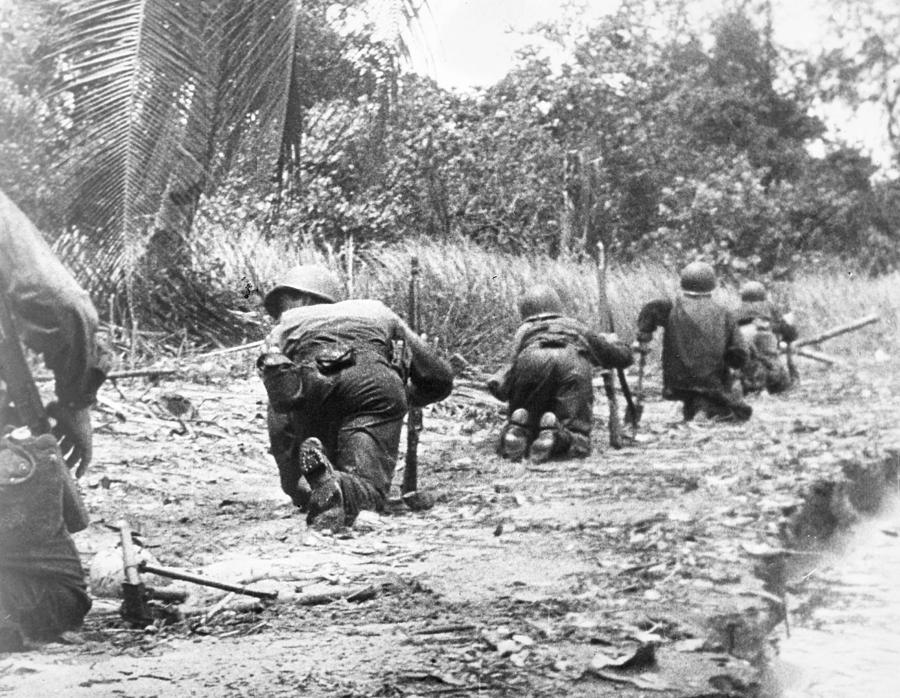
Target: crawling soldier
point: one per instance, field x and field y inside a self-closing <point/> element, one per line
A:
<point x="548" y="381"/>
<point x="764" y="328"/>
<point x="700" y="344"/>
<point x="335" y="373"/>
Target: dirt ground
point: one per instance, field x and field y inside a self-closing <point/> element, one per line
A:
<point x="629" y="573"/>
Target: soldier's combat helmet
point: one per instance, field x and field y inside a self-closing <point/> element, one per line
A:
<point x="753" y="292"/>
<point x="698" y="279"/>
<point x="311" y="279"/>
<point x="540" y="299"/>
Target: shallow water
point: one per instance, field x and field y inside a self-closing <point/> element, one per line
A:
<point x="847" y="645"/>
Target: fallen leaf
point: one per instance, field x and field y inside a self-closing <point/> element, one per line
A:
<point x="507" y="647"/>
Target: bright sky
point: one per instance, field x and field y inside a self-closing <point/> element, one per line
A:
<point x="471" y="43"/>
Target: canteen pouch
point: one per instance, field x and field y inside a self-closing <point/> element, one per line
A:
<point x="283" y="380"/>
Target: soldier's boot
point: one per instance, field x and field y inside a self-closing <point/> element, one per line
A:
<point x="545" y="445"/>
<point x="325" y="507"/>
<point x="514" y="437"/>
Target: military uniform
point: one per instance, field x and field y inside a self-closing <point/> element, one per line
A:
<point x="701" y="342"/>
<point x="341" y="382"/>
<point x="548" y="381"/>
<point x="42" y="586"/>
<point x="763" y="327"/>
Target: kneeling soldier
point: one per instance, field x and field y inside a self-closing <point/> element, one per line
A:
<point x="548" y="382"/>
<point x="700" y="343"/>
<point x="42" y="587"/>
<point x="335" y="372"/>
<point x="763" y="328"/>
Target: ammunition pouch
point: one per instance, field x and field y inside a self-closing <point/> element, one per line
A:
<point x="32" y="503"/>
<point x="283" y="380"/>
<point x="335" y="358"/>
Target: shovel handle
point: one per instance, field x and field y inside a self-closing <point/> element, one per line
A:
<point x="129" y="557"/>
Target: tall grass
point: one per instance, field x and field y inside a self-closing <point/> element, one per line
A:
<point x="469" y="296"/>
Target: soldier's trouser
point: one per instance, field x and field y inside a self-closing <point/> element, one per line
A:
<point x="357" y="414"/>
<point x="763" y="371"/>
<point x="557" y="380"/>
<point x="42" y="607"/>
<point x="42" y="588"/>
<point x="714" y="404"/>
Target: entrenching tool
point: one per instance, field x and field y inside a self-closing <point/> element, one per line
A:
<point x="136" y="608"/>
<point x="606" y="325"/>
<point x="203" y="581"/>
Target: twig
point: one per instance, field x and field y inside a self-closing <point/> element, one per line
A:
<point x="362" y="594"/>
<point x="440" y="629"/>
<point x="113" y="375"/>
<point x="229" y="350"/>
<point x="224" y="601"/>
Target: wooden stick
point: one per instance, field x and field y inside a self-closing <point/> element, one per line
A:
<point x="202" y="581"/>
<point x="230" y="350"/>
<point x="136" y="373"/>
<point x="818" y="356"/>
<point x="359" y="594"/>
<point x="839" y="330"/>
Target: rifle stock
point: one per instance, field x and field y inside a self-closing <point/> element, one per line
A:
<point x="16" y="373"/>
<point x="414" y="417"/>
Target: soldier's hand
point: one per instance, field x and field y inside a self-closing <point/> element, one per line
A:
<point x="641" y="347"/>
<point x="75" y="435"/>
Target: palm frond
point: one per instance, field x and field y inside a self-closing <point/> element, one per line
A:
<point x="163" y="92"/>
<point x="158" y="88"/>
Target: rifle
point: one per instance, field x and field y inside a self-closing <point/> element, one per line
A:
<point x="639" y="406"/>
<point x="615" y="424"/>
<point x="14" y="369"/>
<point x="414" y="418"/>
<point x="792" y="367"/>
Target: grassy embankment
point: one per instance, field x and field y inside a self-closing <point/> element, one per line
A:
<point x="469" y="295"/>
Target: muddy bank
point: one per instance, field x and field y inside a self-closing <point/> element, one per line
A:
<point x="830" y="529"/>
<point x="632" y="572"/>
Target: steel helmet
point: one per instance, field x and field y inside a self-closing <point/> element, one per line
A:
<point x="540" y="299"/>
<point x="311" y="279"/>
<point x="753" y="291"/>
<point x="698" y="279"/>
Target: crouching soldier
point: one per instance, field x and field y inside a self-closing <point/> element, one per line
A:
<point x="548" y="382"/>
<point x="764" y="328"/>
<point x="335" y="372"/>
<point x="701" y="342"/>
<point x="42" y="585"/>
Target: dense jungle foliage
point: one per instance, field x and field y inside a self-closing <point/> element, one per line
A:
<point x="667" y="140"/>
